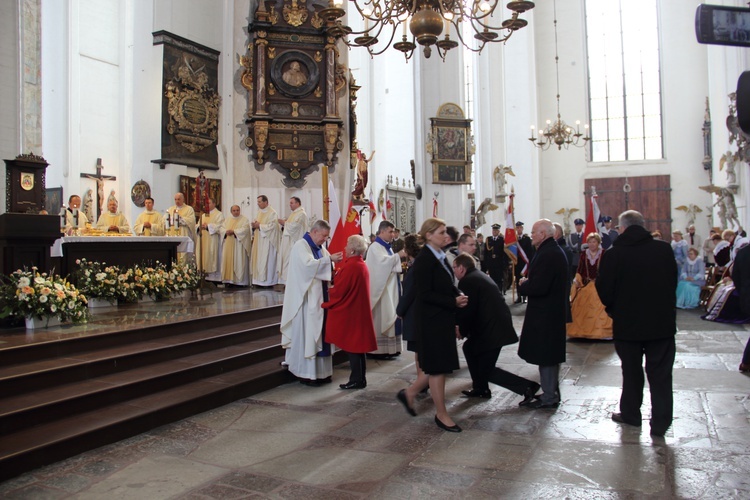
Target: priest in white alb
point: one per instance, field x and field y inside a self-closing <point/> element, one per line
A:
<point x="210" y="236"/>
<point x="265" y="244"/>
<point x="149" y="222"/>
<point x="182" y="216"/>
<point x="236" y="237"/>
<point x="74" y="216"/>
<point x="295" y="227"/>
<point x="113" y="221"/>
<point x="310" y="265"/>
<point x="384" y="267"/>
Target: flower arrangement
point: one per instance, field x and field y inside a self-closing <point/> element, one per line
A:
<point x="155" y="280"/>
<point x="185" y="276"/>
<point x="28" y="293"/>
<point x="130" y="288"/>
<point x="98" y="280"/>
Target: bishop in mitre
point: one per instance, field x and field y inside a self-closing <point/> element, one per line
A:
<point x="182" y="216"/>
<point x="236" y="234"/>
<point x="210" y="236"/>
<point x="307" y="355"/>
<point x="149" y="222"/>
<point x="113" y="221"/>
<point x="295" y="226"/>
<point x="265" y="244"/>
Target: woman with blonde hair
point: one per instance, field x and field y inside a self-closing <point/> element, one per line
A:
<point x="590" y="320"/>
<point x="435" y="304"/>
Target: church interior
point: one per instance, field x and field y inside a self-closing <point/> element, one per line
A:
<point x="125" y="100"/>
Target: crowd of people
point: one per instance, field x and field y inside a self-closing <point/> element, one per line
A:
<point x="622" y="283"/>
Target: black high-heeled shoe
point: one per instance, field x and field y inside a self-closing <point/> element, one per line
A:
<point x="452" y="428"/>
<point x="401" y="396"/>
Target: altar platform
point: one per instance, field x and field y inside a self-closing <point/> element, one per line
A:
<point x="71" y="388"/>
<point x="147" y="313"/>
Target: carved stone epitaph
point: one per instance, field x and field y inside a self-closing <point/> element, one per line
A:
<point x="290" y="75"/>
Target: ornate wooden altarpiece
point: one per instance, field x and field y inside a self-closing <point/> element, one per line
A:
<point x="451" y="145"/>
<point x="292" y="76"/>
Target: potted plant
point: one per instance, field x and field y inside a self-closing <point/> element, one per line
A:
<point x="99" y="282"/>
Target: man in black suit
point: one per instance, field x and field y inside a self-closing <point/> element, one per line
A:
<point x="486" y="324"/>
<point x="524" y="241"/>
<point x="548" y="310"/>
<point x="495" y="256"/>
<point x="637" y="284"/>
<point x="741" y="278"/>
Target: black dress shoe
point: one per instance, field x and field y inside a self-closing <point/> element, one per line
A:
<point x="326" y="380"/>
<point x="401" y="396"/>
<point x="537" y="404"/>
<point x="477" y="394"/>
<point x="452" y="428"/>
<point x="353" y="385"/>
<point x="518" y="301"/>
<point x="658" y="432"/>
<point x="617" y="417"/>
<point x="529" y="394"/>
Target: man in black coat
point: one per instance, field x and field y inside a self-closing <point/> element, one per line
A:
<point x="741" y="279"/>
<point x="637" y="284"/>
<point x="486" y="324"/>
<point x="560" y="239"/>
<point x="548" y="310"/>
<point x="495" y="257"/>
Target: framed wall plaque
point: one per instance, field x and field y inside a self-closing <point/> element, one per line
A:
<point x="451" y="145"/>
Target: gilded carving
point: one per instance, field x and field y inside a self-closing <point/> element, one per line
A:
<point x="261" y="135"/>
<point x="318" y="56"/>
<point x="318" y="92"/>
<point x="273" y="16"/>
<point x="316" y="21"/>
<point x="193" y="106"/>
<point x="271" y="52"/>
<point x="294" y="14"/>
<point x="271" y="89"/>
<point x="340" y="78"/>
<point x="246" y="78"/>
<point x="295" y="109"/>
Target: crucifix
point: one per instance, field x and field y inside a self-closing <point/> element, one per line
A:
<point x="99" y="178"/>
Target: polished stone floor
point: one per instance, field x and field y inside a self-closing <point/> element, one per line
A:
<point x="324" y="443"/>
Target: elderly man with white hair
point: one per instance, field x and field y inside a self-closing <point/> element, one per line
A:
<point x="543" y="335"/>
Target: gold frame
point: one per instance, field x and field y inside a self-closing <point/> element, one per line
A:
<point x="451" y="145"/>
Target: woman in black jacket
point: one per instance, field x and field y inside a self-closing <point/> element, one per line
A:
<point x="434" y="306"/>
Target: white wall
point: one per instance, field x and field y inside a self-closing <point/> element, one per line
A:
<point x="10" y="142"/>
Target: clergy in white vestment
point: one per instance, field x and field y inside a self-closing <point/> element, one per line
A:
<point x="384" y="267"/>
<point x="265" y="244"/>
<point x="210" y="236"/>
<point x="74" y="216"/>
<point x="113" y="221"/>
<point x="235" y="252"/>
<point x="182" y="216"/>
<point x="307" y="355"/>
<point x="294" y="227"/>
<point x="149" y="222"/>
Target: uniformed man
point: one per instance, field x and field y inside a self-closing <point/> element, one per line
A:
<point x="495" y="257"/>
<point x="576" y="239"/>
<point x="610" y="233"/>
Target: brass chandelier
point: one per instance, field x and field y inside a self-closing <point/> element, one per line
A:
<point x="558" y="132"/>
<point x="427" y="21"/>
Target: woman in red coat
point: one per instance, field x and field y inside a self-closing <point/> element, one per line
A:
<point x="349" y="321"/>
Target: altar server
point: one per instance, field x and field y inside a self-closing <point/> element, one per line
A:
<point x="295" y="227"/>
<point x="235" y="253"/>
<point x="149" y="222"/>
<point x="113" y="221"/>
<point x="210" y="236"/>
<point x="302" y="317"/>
<point x="265" y="244"/>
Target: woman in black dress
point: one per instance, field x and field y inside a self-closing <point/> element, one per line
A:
<point x="435" y="304"/>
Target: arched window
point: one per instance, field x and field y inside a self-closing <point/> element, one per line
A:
<point x="624" y="81"/>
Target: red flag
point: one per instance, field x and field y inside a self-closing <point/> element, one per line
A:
<point x="347" y="227"/>
<point x="510" y="224"/>
<point x="592" y="219"/>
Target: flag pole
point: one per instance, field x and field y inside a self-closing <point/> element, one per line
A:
<point x="326" y="201"/>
